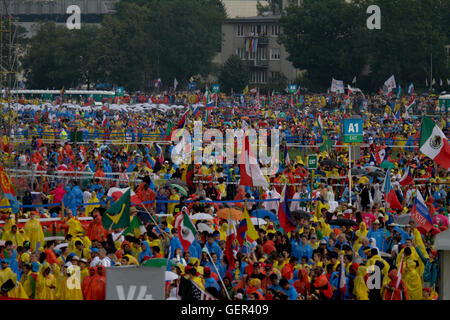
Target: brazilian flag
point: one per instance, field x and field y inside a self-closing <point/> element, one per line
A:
<point x="327" y="142"/>
<point x="118" y="215"/>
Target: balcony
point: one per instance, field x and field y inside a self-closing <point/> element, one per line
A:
<point x="258" y="64"/>
<point x="263" y="40"/>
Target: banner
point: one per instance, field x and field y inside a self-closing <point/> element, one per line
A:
<point x="390" y="84"/>
<point x="135" y="283"/>
<point x="337" y="86"/>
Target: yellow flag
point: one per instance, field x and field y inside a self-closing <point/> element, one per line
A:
<point x="245" y="90"/>
<point x="251" y="232"/>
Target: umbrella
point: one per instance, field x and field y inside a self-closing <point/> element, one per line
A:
<point x="157" y="262"/>
<point x="343" y="222"/>
<point x="387" y="165"/>
<point x="202" y="216"/>
<point x="226" y="212"/>
<point x="261" y="213"/>
<point x="176" y="181"/>
<point x="60" y="246"/>
<point x="357" y="171"/>
<point x="258" y="221"/>
<point x="301" y="214"/>
<point x="329" y="162"/>
<point x="376" y="174"/>
<point x="171" y="276"/>
<point x="180" y="189"/>
<point x="204" y="227"/>
<point x="403" y="219"/>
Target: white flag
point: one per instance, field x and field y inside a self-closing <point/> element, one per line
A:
<point x="440" y="82"/>
<point x="448" y="82"/>
<point x="354" y="79"/>
<point x="426" y="82"/>
<point x="434" y="82"/>
<point x="175" y="84"/>
<point x="337" y="86"/>
<point x="390" y="84"/>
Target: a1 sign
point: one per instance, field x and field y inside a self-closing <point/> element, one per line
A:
<point x="312" y="161"/>
<point x="215" y="88"/>
<point x="353" y="130"/>
<point x="292" y="88"/>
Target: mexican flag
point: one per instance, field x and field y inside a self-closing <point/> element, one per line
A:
<point x="434" y="143"/>
<point x="186" y="230"/>
<point x="118" y="215"/>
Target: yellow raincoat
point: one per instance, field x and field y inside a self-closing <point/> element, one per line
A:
<point x="68" y="289"/>
<point x="46" y="285"/>
<point x="18" y="291"/>
<point x="34" y="233"/>
<point x="413" y="281"/>
<point x="74" y="226"/>
<point x="360" y="289"/>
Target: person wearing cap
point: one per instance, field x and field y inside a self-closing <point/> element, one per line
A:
<point x="378" y="235"/>
<point x="84" y="270"/>
<point x="209" y="279"/>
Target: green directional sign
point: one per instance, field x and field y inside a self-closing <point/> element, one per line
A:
<point x="215" y="88"/>
<point x="312" y="161"/>
<point x="76" y="136"/>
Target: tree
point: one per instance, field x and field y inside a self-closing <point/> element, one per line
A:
<point x="329" y="38"/>
<point x="161" y="39"/>
<point x="50" y="61"/>
<point x="324" y="37"/>
<point x="411" y="31"/>
<point x="234" y="74"/>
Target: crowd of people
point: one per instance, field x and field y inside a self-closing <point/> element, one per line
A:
<point x="56" y="177"/>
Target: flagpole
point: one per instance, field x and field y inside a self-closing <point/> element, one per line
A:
<point x="349" y="174"/>
<point x="215" y="267"/>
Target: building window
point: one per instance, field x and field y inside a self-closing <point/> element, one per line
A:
<point x="258" y="30"/>
<point x="259" y="77"/>
<point x="275" y="75"/>
<point x="241" y="53"/>
<point x="261" y="54"/>
<point x="252" y="55"/>
<point x="240" y="30"/>
<point x="274" y="53"/>
<point x="275" y="30"/>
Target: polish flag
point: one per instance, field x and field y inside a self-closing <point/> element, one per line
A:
<point x="251" y="174"/>
<point x="116" y="193"/>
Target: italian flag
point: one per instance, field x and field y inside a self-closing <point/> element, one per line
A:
<point x="186" y="230"/>
<point x="434" y="143"/>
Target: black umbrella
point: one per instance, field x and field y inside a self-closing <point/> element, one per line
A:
<point x="301" y="214"/>
<point x="357" y="171"/>
<point x="329" y="162"/>
<point x="342" y="222"/>
<point x="376" y="174"/>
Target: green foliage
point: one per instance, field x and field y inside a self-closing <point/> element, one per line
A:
<point x="234" y="74"/>
<point x="329" y="38"/>
<point x="144" y="40"/>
